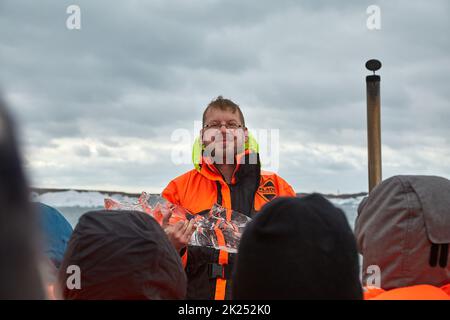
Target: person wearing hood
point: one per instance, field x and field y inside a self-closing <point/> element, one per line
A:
<point x="296" y="249"/>
<point x="19" y="271"/>
<point x="228" y="172"/>
<point x="403" y="229"/>
<point x="120" y="255"/>
<point x="56" y="232"/>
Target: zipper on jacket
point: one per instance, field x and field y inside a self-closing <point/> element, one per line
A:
<point x="219" y="193"/>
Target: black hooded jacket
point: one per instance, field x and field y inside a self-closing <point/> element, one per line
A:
<point x="298" y="248"/>
<point x="122" y="255"/>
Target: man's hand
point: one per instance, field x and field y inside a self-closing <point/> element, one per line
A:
<point x="180" y="233"/>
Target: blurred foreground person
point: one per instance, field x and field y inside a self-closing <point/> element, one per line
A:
<point x="403" y="228"/>
<point x="298" y="249"/>
<point x="19" y="275"/>
<point x="120" y="255"/>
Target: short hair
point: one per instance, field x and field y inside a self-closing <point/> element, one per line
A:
<point x="225" y="105"/>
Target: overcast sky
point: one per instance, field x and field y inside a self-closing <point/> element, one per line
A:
<point x="97" y="107"/>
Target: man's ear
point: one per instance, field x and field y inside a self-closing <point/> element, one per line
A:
<point x="246" y="135"/>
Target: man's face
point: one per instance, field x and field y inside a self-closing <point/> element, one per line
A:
<point x="223" y="135"/>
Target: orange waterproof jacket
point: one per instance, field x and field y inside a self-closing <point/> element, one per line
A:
<point x="417" y="292"/>
<point x="208" y="269"/>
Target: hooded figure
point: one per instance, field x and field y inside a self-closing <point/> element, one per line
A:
<point x="121" y="255"/>
<point x="19" y="273"/>
<point x="56" y="231"/>
<point x="298" y="248"/>
<point x="403" y="227"/>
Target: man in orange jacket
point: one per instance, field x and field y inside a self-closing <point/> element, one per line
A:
<point x="227" y="172"/>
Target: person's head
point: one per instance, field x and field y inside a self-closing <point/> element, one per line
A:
<point x="297" y="248"/>
<point x="403" y="228"/>
<point x="223" y="130"/>
<point x="121" y="255"/>
<point x="19" y="275"/>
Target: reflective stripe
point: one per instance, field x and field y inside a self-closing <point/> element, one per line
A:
<point x="221" y="283"/>
<point x="229" y="213"/>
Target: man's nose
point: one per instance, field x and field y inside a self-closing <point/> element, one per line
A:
<point x="223" y="129"/>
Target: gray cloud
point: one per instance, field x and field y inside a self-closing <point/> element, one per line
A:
<point x="82" y="151"/>
<point x="141" y="69"/>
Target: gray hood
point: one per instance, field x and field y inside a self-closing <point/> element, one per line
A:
<point x="403" y="226"/>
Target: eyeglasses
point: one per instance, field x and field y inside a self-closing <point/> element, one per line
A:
<point x="217" y="125"/>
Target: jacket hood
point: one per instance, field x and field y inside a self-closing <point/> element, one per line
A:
<point x="122" y="255"/>
<point x="56" y="232"/>
<point x="298" y="248"/>
<point x="403" y="226"/>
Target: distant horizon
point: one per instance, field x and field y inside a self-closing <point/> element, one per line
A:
<point x="41" y="190"/>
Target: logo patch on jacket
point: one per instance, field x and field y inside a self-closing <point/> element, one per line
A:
<point x="267" y="190"/>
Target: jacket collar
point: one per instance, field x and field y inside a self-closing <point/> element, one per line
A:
<point x="206" y="167"/>
<point x="209" y="170"/>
